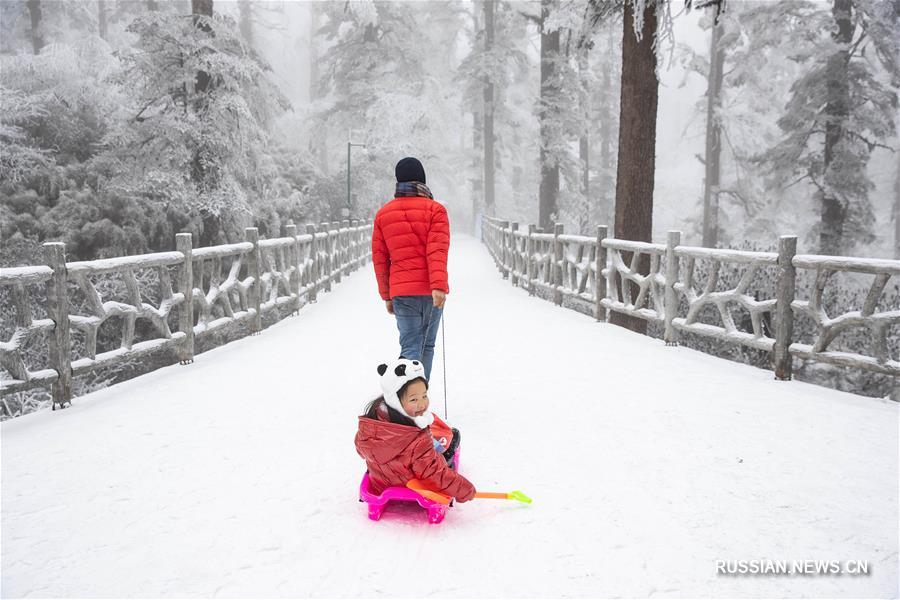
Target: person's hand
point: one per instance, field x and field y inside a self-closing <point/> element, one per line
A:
<point x="438" y="297"/>
<point x="467" y="497"/>
<point x="390" y="306"/>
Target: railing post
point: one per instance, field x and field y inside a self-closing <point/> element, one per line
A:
<point x="355" y="244"/>
<point x="366" y="236"/>
<point x="58" y="310"/>
<point x="489" y="236"/>
<point x="513" y="254"/>
<point x="184" y="244"/>
<point x="784" y="314"/>
<point x="495" y="244"/>
<point x="326" y="253"/>
<point x="336" y="259"/>
<point x="361" y="243"/>
<point x="314" y="266"/>
<point x="529" y="266"/>
<point x="504" y="267"/>
<point x="599" y="278"/>
<point x="557" y="264"/>
<point x="670" y="299"/>
<point x="497" y="233"/>
<point x="345" y="247"/>
<point x="291" y="231"/>
<point x="611" y="273"/>
<point x="251" y="234"/>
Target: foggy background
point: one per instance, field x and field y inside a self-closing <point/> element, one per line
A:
<point x="97" y="136"/>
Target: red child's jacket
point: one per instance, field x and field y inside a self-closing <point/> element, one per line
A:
<point x="396" y="453"/>
<point x="410" y="241"/>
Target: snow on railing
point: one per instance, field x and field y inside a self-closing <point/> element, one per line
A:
<point x="658" y="283"/>
<point x="135" y="308"/>
<point x="11" y="356"/>
<point x="723" y="301"/>
<point x="226" y="284"/>
<point x="211" y="290"/>
<point x="878" y="323"/>
<point x="647" y="303"/>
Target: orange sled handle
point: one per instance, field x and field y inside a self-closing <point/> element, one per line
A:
<point x="418" y="486"/>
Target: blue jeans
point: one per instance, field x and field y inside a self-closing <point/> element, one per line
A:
<point x="418" y="321"/>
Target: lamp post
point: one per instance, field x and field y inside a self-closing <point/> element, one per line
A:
<point x="350" y="144"/>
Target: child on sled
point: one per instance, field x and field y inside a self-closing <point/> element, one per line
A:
<point x="401" y="439"/>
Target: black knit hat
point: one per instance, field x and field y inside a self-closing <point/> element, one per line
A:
<point x="410" y="169"/>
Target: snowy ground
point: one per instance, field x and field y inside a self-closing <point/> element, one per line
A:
<point x="236" y="476"/>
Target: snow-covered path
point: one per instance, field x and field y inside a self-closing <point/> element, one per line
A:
<point x="236" y="476"/>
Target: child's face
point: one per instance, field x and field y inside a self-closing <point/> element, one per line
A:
<point x="415" y="400"/>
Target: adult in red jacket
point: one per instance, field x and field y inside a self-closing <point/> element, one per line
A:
<point x="410" y="241"/>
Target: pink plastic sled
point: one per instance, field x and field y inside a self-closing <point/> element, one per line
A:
<point x="376" y="503"/>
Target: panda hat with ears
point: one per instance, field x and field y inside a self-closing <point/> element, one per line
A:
<point x="397" y="375"/>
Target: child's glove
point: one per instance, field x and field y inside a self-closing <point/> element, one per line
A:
<point x="468" y="496"/>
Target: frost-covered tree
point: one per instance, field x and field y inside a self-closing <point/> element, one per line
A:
<point x="896" y="211"/>
<point x="551" y="134"/>
<point x="488" y="92"/>
<point x="745" y="87"/>
<point x="246" y="10"/>
<point x="388" y="86"/>
<point x="838" y="112"/>
<point x="565" y="110"/>
<point x="21" y="158"/>
<point x="593" y="119"/>
<point x="196" y="125"/>
<point x="31" y="25"/>
<point x="606" y="63"/>
<point x="713" y="148"/>
<point x="37" y="25"/>
<point x="637" y="134"/>
<point x="56" y="107"/>
<point x="495" y="64"/>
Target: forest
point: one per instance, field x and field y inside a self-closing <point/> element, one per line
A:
<point x="126" y="121"/>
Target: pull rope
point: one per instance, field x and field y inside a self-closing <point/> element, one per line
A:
<point x="444" y="356"/>
<point x="443" y="350"/>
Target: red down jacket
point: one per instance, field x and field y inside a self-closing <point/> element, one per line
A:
<point x="410" y="240"/>
<point x="396" y="453"/>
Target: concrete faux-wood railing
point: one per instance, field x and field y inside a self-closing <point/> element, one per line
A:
<point x="656" y="282"/>
<point x="261" y="275"/>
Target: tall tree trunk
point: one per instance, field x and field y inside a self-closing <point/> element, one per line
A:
<point x="313" y="52"/>
<point x="101" y="18"/>
<point x="152" y="5"/>
<point x="318" y="144"/>
<point x="37" y="31"/>
<point x="584" y="215"/>
<point x="245" y="12"/>
<point x="199" y="173"/>
<point x="837" y="109"/>
<point x="478" y="166"/>
<point x="200" y="9"/>
<point x="477" y="142"/>
<point x="713" y="139"/>
<point x="637" y="141"/>
<point x="607" y="189"/>
<point x="549" y="189"/>
<point x="897" y="211"/>
<point x="488" y="112"/>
